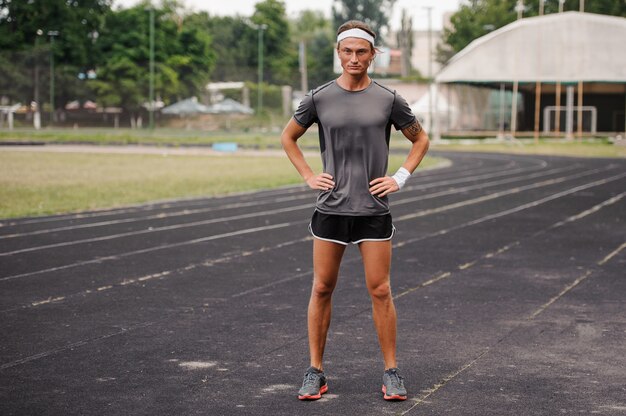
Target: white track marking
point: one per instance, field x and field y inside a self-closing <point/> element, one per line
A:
<point x="128" y="281"/>
<point x="157" y="229"/>
<point x="282" y="210"/>
<point x="72" y="346"/>
<point x="500" y="194"/>
<point x="161" y="247"/>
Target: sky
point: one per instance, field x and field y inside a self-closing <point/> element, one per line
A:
<point x="416" y="8"/>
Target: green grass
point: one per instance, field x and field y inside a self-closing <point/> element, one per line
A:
<point x="159" y="137"/>
<point x="271" y="140"/>
<point x="40" y="183"/>
<point x="587" y="148"/>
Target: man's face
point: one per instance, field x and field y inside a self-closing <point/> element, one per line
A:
<point x="355" y="55"/>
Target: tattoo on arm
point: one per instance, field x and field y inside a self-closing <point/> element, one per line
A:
<point x="415" y="128"/>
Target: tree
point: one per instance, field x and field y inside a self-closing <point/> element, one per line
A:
<point x="376" y="13"/>
<point x="281" y="61"/>
<point x="21" y="47"/>
<point x="316" y="31"/>
<point x="234" y="45"/>
<point x="478" y="17"/>
<point x="183" y="58"/>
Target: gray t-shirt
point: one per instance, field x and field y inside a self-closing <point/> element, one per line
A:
<point x="354" y="132"/>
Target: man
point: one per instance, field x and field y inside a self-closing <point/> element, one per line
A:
<point x="354" y="115"/>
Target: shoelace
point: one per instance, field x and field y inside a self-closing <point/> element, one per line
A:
<point x="395" y="379"/>
<point x="310" y="379"/>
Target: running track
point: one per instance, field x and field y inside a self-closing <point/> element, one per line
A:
<point x="508" y="278"/>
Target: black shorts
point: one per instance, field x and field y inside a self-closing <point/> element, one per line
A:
<point x="344" y="229"/>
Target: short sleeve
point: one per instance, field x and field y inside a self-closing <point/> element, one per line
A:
<point x="306" y="114"/>
<point x="401" y="114"/>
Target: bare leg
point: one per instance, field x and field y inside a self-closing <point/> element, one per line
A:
<point x="326" y="260"/>
<point x="377" y="262"/>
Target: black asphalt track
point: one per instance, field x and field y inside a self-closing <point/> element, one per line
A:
<point x="508" y="278"/>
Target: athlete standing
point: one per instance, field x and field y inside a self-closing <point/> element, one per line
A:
<point x="354" y="115"/>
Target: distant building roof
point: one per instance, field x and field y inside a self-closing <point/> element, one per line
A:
<point x="565" y="47"/>
<point x="187" y="106"/>
<point x="230" y="106"/>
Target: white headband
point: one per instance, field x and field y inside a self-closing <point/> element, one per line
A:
<point x="355" y="33"/>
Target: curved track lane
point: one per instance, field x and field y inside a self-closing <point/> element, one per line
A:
<point x="507" y="275"/>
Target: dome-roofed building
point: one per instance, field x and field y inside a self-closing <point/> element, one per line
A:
<point x="582" y="55"/>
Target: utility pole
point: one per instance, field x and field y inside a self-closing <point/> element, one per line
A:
<point x="557" y="116"/>
<point x="538" y="83"/>
<point x="520" y="12"/>
<point x="304" y="78"/>
<point x="151" y="93"/>
<point x="430" y="69"/>
<point x="52" y="34"/>
<point x="261" y="28"/>
<point x="520" y="9"/>
<point x="580" y="91"/>
<point x="37" y="114"/>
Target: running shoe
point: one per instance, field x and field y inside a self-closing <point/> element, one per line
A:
<point x="393" y="385"/>
<point x="313" y="385"/>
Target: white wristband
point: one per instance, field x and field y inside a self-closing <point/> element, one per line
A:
<point x="401" y="176"/>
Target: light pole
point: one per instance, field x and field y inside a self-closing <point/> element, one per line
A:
<point x="151" y="99"/>
<point x="52" y="34"/>
<point x="260" y="28"/>
<point x="37" y="114"/>
<point x="430" y="69"/>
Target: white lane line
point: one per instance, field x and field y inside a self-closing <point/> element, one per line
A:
<point x="262" y="213"/>
<point x="591" y="210"/>
<point x="446" y="379"/>
<point x="158" y="229"/>
<point x="72" y="346"/>
<point x="471" y="178"/>
<point x="185" y="212"/>
<point x="576" y="282"/>
<point x="156" y="206"/>
<point x="156" y="248"/>
<point x="482" y="185"/>
<point x="127" y="281"/>
<point x="161" y="216"/>
<point x="500" y="194"/>
<point x="612" y="254"/>
<point x="560" y="295"/>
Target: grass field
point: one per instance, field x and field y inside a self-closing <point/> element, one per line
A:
<point x="39" y="183"/>
<point x="271" y="140"/>
<point x="596" y="148"/>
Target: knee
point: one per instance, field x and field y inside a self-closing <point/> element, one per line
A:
<point x="322" y="289"/>
<point x="380" y="292"/>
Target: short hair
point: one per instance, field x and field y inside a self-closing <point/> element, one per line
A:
<point x="356" y="24"/>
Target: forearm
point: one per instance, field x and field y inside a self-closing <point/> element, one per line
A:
<point x="417" y="152"/>
<point x="296" y="157"/>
